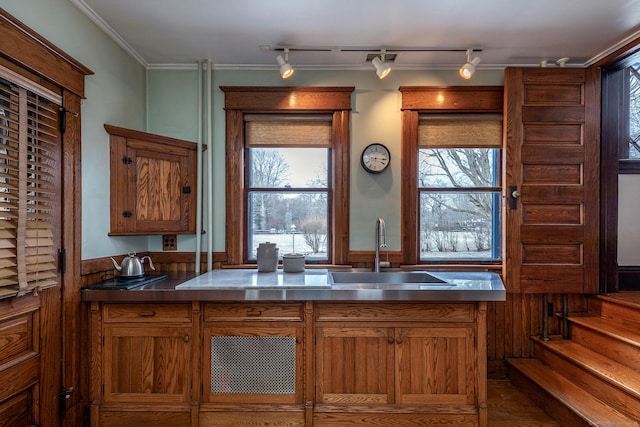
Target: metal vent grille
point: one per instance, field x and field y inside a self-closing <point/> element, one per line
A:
<point x="255" y="365"/>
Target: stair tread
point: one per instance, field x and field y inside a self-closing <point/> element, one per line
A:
<point x="604" y="367"/>
<point x="580" y="401"/>
<point x="629" y="299"/>
<point x="621" y="332"/>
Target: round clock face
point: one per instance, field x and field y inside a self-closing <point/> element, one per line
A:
<point x="375" y="158"/>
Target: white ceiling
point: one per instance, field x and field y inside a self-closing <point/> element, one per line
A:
<point x="230" y="33"/>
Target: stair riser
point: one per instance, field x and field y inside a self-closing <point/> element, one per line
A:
<point x="556" y="409"/>
<point x="599" y="388"/>
<point x="611" y="347"/>
<point x="620" y="314"/>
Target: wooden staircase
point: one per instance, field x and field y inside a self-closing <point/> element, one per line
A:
<point x="593" y="378"/>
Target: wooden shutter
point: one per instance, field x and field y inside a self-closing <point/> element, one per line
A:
<point x="29" y="143"/>
<point x="552" y="160"/>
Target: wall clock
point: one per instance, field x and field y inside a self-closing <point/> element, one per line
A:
<point x="375" y="158"/>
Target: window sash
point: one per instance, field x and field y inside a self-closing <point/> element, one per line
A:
<point x="28" y="161"/>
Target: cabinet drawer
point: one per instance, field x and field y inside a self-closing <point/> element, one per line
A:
<point x="146" y="312"/>
<point x="278" y="311"/>
<point x="424" y="312"/>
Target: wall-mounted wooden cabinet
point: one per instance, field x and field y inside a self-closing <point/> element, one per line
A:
<point x="153" y="183"/>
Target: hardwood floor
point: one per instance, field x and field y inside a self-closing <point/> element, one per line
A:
<point x="509" y="407"/>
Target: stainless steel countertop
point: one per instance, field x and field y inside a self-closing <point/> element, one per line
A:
<point x="312" y="285"/>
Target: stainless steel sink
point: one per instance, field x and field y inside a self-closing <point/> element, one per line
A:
<point x="387" y="277"/>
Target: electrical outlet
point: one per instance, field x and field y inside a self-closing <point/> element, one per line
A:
<point x="170" y="242"/>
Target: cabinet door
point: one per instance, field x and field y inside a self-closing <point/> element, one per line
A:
<point x="435" y="366"/>
<point x="147" y="363"/>
<point x="161" y="192"/>
<point x="260" y="364"/>
<point x="354" y="365"/>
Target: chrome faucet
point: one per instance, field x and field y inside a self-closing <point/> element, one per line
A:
<point x="381" y="242"/>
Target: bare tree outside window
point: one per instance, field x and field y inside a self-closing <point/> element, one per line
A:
<point x="459" y="202"/>
<point x="288" y="200"/>
<point x="634" y="113"/>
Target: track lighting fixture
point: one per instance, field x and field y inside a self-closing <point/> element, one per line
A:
<point x="382" y="68"/>
<point x="467" y="70"/>
<point x="286" y="70"/>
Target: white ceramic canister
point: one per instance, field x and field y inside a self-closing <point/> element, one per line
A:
<point x="267" y="257"/>
<point x="293" y="263"/>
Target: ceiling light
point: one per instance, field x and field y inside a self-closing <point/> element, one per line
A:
<point x="286" y="70"/>
<point x="382" y="68"/>
<point x="467" y="70"/>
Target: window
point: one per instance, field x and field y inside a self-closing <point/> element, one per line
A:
<point x="287" y="171"/>
<point x="288" y="193"/>
<point x="29" y="146"/>
<point x="459" y="186"/>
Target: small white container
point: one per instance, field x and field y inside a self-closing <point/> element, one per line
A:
<point x="293" y="263"/>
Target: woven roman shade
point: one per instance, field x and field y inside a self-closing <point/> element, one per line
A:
<point x="28" y="164"/>
<point x="265" y="130"/>
<point x="460" y="131"/>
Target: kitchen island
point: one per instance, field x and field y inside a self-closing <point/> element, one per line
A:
<point x="238" y="347"/>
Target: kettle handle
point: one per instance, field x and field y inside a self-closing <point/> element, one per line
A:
<point x="150" y="262"/>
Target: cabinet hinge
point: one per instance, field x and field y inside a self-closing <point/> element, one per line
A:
<point x="127" y="160"/>
<point x="126" y="214"/>
<point x="62" y="260"/>
<point x="186" y="190"/>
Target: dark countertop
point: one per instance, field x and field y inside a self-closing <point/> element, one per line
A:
<point x="312" y="285"/>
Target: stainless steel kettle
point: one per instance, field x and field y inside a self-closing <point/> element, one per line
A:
<point x="132" y="266"/>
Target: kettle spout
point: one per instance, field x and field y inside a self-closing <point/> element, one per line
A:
<point x="115" y="264"/>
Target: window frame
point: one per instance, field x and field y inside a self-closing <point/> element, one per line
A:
<point x="241" y="100"/>
<point x="420" y="100"/>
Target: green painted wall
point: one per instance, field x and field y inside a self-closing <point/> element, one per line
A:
<point x="115" y="94"/>
<point x="376" y="117"/>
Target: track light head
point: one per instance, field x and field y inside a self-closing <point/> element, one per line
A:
<point x="467" y="70"/>
<point x="382" y="68"/>
<point x="286" y="70"/>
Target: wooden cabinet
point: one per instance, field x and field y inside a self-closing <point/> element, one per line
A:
<point x="253" y="360"/>
<point x="288" y="364"/>
<point x="153" y="183"/>
<point x="144" y="361"/>
<point x="415" y="361"/>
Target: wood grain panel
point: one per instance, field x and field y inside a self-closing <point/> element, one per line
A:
<point x="544" y="174"/>
<point x="16" y="337"/>
<point x="242" y="312"/>
<point x="295" y="98"/>
<point x="552" y="254"/>
<point x="20" y="375"/>
<point x="255" y="418"/>
<point x="553" y="94"/>
<point x="435" y="365"/>
<point x="354" y="365"/>
<point x="452" y="98"/>
<point x="564" y="133"/>
<point x="147" y="364"/>
<point x="135" y="313"/>
<point x="552" y="214"/>
<point x="18" y="411"/>
<point x="132" y="418"/>
<point x="438" y="312"/>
